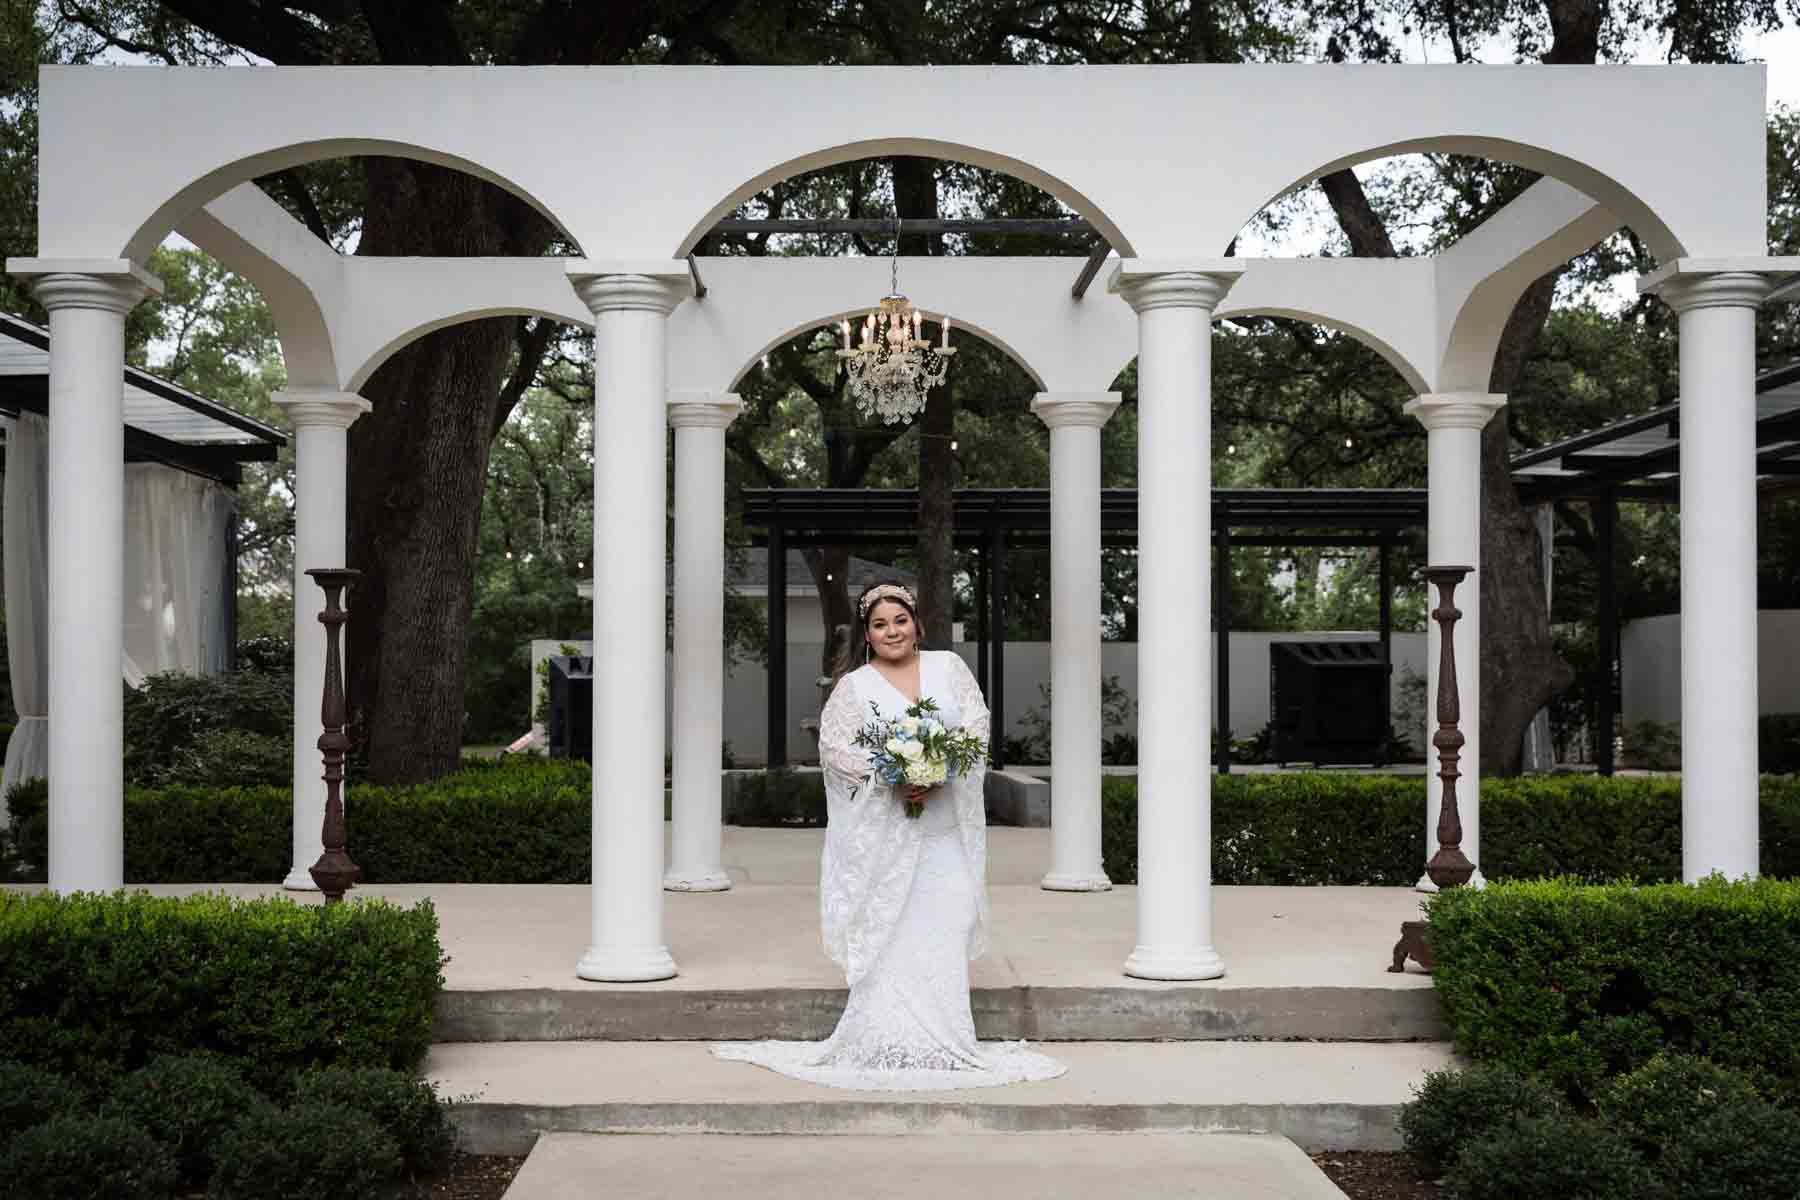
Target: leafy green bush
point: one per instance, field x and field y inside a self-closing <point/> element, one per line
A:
<point x="93" y="986"/>
<point x="268" y="654"/>
<point x="1669" y="1094"/>
<point x="1552" y="1156"/>
<point x="777" y="798"/>
<point x="1742" y="1151"/>
<point x="1453" y="1108"/>
<point x="167" y="716"/>
<point x="31" y="1095"/>
<point x="186" y="1102"/>
<point x="1316" y="828"/>
<point x="407" y="1107"/>
<point x="1778" y="743"/>
<point x="304" y="1153"/>
<point x="87" y="1158"/>
<point x="1580" y="983"/>
<point x="246" y="759"/>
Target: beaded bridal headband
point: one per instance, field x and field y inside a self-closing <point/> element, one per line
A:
<point x="884" y="591"/>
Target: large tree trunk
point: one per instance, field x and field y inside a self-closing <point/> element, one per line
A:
<point x="1520" y="669"/>
<point x="417" y="473"/>
<point x="915" y="195"/>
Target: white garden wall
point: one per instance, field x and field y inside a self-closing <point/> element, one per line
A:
<point x="1650" y="666"/>
<point x="1027" y="668"/>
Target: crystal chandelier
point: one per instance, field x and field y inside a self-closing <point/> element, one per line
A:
<point x="894" y="366"/>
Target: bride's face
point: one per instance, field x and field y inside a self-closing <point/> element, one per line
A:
<point x="891" y="632"/>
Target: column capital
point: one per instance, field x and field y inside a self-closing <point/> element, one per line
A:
<point x="1075" y="410"/>
<point x="114" y="284"/>
<point x="1720" y="289"/>
<point x="703" y="410"/>
<point x="644" y="286"/>
<point x="1456" y="410"/>
<point x="321" y="409"/>
<point x="1171" y="283"/>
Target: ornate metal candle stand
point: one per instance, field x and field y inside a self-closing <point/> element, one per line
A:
<point x="334" y="872"/>
<point x="1449" y="866"/>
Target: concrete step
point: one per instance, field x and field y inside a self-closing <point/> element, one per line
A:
<point x="1324" y="1096"/>
<point x="1128" y="1012"/>
<point x="574" y="1166"/>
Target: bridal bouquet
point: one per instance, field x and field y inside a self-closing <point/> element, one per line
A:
<point x="918" y="749"/>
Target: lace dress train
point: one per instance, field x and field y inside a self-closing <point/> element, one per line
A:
<point x="907" y="1025"/>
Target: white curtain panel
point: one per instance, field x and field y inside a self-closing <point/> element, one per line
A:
<point x="177" y="602"/>
<point x="26" y="514"/>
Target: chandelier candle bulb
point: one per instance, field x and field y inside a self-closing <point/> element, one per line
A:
<point x="946" y="345"/>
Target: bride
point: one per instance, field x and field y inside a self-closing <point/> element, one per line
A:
<point x="903" y="902"/>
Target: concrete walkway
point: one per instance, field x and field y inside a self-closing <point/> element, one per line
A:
<point x="1064" y="1167"/>
<point x="1325" y="1096"/>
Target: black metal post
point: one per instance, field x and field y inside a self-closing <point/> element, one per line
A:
<point x="233" y="547"/>
<point x="1222" y="643"/>
<point x="981" y="621"/>
<point x="1385" y="574"/>
<point x="777" y="755"/>
<point x="996" y="696"/>
<point x="1606" y="707"/>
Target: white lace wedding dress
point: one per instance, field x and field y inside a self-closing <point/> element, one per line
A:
<point x="903" y="905"/>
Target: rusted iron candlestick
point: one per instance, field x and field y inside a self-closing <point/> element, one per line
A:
<point x="1449" y="866"/>
<point x="334" y="873"/>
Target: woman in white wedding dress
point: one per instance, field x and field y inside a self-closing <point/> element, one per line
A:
<point x="902" y="901"/>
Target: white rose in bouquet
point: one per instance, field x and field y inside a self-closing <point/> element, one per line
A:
<point x="910" y="725"/>
<point x="912" y="752"/>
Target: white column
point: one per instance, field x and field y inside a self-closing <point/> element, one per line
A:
<point x="699" y="672"/>
<point x="1453" y="423"/>
<point x="1075" y="729"/>
<point x="86" y="565"/>
<point x="1175" y="308"/>
<point x="631" y="313"/>
<point x="1719" y="776"/>
<point x="321" y="421"/>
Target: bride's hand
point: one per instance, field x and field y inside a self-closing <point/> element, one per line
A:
<point x="917" y="794"/>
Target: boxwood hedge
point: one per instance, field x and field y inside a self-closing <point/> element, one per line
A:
<point x="93" y="986"/>
<point x="529" y="821"/>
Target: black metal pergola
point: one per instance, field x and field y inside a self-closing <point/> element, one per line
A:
<point x="1639" y="459"/>
<point x="990" y="521"/>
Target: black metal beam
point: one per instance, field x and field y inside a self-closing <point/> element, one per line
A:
<point x="996" y="695"/>
<point x="1095" y="260"/>
<point x="1385" y="576"/>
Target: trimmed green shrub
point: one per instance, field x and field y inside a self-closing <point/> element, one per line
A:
<point x="31" y="1095"/>
<point x="1742" y="1151"/>
<point x="167" y="715"/>
<point x="1778" y="743"/>
<point x="407" y="1107"/>
<point x="1580" y="983"/>
<point x="93" y="986"/>
<point x="778" y="798"/>
<point x="1453" y="1108"/>
<point x="186" y="1102"/>
<point x="88" y="1158"/>
<point x="247" y="759"/>
<point x="1555" y="1156"/>
<point x="1670" y="1094"/>
<point x="1315" y="828"/>
<point x="303" y="1153"/>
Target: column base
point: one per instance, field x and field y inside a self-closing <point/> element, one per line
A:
<point x="1477" y="880"/>
<point x="1175" y="963"/>
<point x="1076" y="883"/>
<point x="716" y="881"/>
<point x="626" y="964"/>
<point x="300" y="880"/>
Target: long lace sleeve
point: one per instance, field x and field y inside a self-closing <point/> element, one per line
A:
<point x="975" y="716"/>
<point x="839" y="724"/>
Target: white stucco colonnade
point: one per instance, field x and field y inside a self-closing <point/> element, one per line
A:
<point x="191" y="140"/>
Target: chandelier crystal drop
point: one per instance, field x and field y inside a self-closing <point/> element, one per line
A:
<point x="894" y="366"/>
